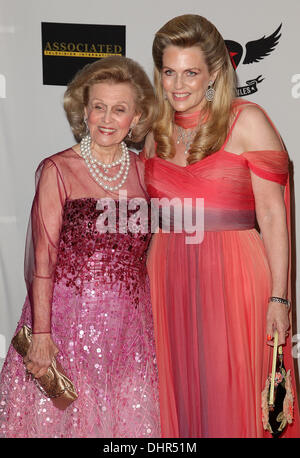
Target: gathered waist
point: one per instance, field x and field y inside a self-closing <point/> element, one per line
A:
<point x="209" y="219"/>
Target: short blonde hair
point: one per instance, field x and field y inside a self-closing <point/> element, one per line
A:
<point x="187" y="31"/>
<point x="113" y="69"/>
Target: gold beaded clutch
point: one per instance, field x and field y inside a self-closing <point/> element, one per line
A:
<point x="54" y="384"/>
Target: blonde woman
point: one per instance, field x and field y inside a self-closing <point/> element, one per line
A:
<point x="216" y="301"/>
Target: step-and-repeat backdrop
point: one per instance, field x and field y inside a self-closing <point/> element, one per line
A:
<point x="43" y="43"/>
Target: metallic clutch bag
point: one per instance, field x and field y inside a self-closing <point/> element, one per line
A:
<point x="54" y="384"/>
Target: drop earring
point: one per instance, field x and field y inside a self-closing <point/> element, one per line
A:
<point x="86" y="126"/>
<point x="129" y="135"/>
<point x="210" y="92"/>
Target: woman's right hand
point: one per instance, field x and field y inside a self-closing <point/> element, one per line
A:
<point x="40" y="354"/>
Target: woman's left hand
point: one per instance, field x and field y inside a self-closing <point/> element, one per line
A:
<point x="277" y="318"/>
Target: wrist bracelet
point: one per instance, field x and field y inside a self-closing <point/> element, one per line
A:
<point x="280" y="300"/>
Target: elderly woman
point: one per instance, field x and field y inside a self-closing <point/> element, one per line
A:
<point x="216" y="310"/>
<point x="89" y="300"/>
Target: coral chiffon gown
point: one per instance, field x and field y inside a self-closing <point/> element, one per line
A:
<point x="93" y="291"/>
<point x="210" y="299"/>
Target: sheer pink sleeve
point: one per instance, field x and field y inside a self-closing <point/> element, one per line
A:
<point x="42" y="242"/>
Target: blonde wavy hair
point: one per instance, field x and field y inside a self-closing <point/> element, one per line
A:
<point x="113" y="69"/>
<point x="187" y="31"/>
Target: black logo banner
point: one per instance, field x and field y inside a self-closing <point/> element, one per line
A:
<point x="253" y="52"/>
<point x="67" y="48"/>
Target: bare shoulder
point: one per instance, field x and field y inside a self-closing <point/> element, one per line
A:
<point x="252" y="115"/>
<point x="256" y="130"/>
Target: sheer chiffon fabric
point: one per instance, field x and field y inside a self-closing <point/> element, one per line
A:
<point x="210" y="299"/>
<point x="92" y="290"/>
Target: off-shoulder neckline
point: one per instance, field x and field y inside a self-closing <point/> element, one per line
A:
<point x="241" y="156"/>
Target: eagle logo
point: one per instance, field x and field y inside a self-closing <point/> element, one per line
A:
<point x="254" y="51"/>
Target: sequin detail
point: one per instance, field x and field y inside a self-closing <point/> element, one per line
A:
<point x="110" y="257"/>
<point x="102" y="324"/>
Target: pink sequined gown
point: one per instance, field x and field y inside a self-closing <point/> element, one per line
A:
<point x="101" y="317"/>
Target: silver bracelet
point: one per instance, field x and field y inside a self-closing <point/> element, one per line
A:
<point x="280" y="300"/>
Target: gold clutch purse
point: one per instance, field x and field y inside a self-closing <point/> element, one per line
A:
<point x="54" y="384"/>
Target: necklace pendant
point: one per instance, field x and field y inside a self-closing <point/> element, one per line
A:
<point x="186" y="137"/>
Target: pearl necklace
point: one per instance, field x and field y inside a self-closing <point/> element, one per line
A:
<point x="93" y="165"/>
